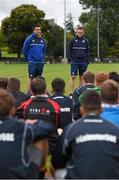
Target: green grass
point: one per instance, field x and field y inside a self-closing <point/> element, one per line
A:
<point x="51" y="71"/>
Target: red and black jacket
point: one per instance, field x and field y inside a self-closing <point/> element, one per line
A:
<point x="40" y="107"/>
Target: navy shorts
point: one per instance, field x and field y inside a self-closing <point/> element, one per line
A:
<point x="35" y="69"/>
<point x="78" y="68"/>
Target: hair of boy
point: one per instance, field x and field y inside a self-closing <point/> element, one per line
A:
<point x="58" y="85"/>
<point x="91" y="101"/>
<point x="7" y="102"/>
<point x="101" y="77"/>
<point x="41" y="77"/>
<point x="114" y="76"/>
<point x="3" y="82"/>
<point x="13" y="84"/>
<point x="89" y="77"/>
<point x="35" y="25"/>
<point x="80" y="28"/>
<point x="109" y="92"/>
<point x="38" y="86"/>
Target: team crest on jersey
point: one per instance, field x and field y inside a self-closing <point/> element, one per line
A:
<point x="76" y="40"/>
<point x="83" y="41"/>
<point x="33" y="40"/>
<point x="41" y="41"/>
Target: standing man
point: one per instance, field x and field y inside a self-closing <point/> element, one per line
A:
<point x="78" y="56"/>
<point x="34" y="52"/>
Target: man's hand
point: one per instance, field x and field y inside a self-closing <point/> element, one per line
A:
<point x="31" y="121"/>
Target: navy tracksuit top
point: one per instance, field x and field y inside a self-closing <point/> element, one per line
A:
<point x="78" y="51"/>
<point x="90" y="149"/>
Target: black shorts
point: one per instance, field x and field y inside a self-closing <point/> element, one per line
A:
<point x="35" y="69"/>
<point x="78" y="68"/>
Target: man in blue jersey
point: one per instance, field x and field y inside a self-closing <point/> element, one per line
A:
<point x="34" y="52"/>
<point x="78" y="53"/>
<point x="89" y="147"/>
<point x="65" y="102"/>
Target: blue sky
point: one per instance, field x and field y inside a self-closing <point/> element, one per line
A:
<point x="53" y="8"/>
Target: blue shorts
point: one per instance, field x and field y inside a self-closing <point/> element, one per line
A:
<point x="35" y="69"/>
<point x="78" y="68"/>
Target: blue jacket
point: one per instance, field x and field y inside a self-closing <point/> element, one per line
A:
<point x="89" y="148"/>
<point x="78" y="51"/>
<point x="34" y="48"/>
<point x="111" y="113"/>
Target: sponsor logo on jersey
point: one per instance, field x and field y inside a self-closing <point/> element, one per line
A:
<point x="39" y="111"/>
<point x="66" y="109"/>
<point x="7" y="137"/>
<point x="96" y="137"/>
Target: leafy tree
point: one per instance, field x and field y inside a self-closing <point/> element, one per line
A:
<point x="70" y="23"/>
<point x="55" y="41"/>
<point x="19" y="25"/>
<point x="1" y="39"/>
<point x="109" y="24"/>
<point x="114" y="50"/>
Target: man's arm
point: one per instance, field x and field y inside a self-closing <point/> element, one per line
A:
<point x="26" y="47"/>
<point x="40" y="130"/>
<point x="88" y="51"/>
<point x="35" y="132"/>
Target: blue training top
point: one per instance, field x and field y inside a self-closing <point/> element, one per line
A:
<point x="78" y="51"/>
<point x="34" y="48"/>
<point x="111" y="113"/>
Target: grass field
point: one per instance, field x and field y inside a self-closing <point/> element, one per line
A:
<point x="50" y="72"/>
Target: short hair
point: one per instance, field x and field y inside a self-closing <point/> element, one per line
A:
<point x="114" y="76"/>
<point x="3" y="82"/>
<point x="58" y="85"/>
<point x="91" y="101"/>
<point x="7" y="102"/>
<point x="36" y="25"/>
<point x="41" y="77"/>
<point x="13" y="85"/>
<point x="80" y="28"/>
<point x="89" y="77"/>
<point x="109" y="92"/>
<point x="38" y="86"/>
<point x="101" y="77"/>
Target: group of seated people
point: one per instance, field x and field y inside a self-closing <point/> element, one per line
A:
<point x="43" y="133"/>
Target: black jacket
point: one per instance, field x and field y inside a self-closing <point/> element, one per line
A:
<point x="15" y="138"/>
<point x="66" y="109"/>
<point x="89" y="148"/>
<point x="78" y="51"/>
